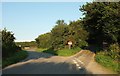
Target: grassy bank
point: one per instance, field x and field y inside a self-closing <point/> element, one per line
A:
<point x="108" y="62"/>
<point x="15" y="58"/>
<point x="62" y="52"/>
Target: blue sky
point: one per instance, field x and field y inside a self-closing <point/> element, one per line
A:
<point x="46" y="0"/>
<point x="0" y="14"/>
<point x="27" y="20"/>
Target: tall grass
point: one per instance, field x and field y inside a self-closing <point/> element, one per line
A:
<point x="108" y="62"/>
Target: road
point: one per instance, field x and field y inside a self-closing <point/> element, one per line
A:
<point x="43" y="63"/>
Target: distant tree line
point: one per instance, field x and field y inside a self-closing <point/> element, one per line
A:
<point x="26" y="44"/>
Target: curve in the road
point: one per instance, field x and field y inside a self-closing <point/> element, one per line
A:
<point x="43" y="63"/>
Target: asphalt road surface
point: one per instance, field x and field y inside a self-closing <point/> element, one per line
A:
<point x="43" y="63"/>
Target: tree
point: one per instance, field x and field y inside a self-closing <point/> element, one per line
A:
<point x="8" y="44"/>
<point x="24" y="44"/>
<point x="102" y="21"/>
<point x="77" y="34"/>
<point x="0" y="39"/>
<point x="60" y="22"/>
<point x="44" y="40"/>
<point x="62" y="33"/>
<point x="58" y="34"/>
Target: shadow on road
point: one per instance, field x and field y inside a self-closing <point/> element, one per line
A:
<point x="50" y="51"/>
<point x="45" y="68"/>
<point x="36" y="55"/>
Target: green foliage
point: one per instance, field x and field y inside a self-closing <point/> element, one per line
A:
<point x="114" y="51"/>
<point x="47" y="50"/>
<point x="77" y="34"/>
<point x="50" y="51"/>
<point x="44" y="40"/>
<point x="62" y="52"/>
<point x="102" y="21"/>
<point x="41" y="49"/>
<point x="0" y="38"/>
<point x="23" y="44"/>
<point x="18" y="56"/>
<point x="58" y="35"/>
<point x="107" y="61"/>
<point x="8" y="44"/>
<point x="62" y="33"/>
<point x="110" y="57"/>
<point x="68" y="52"/>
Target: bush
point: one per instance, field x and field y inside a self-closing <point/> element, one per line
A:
<point x="8" y="44"/>
<point x="24" y="44"/>
<point x="18" y="56"/>
<point x="107" y="61"/>
<point x="61" y="34"/>
<point x="114" y="51"/>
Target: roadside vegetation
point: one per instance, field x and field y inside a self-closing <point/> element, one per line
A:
<point x="100" y="26"/>
<point x="11" y="53"/>
<point x="110" y="58"/>
<point x="102" y="22"/>
<point x="18" y="56"/>
<point x="61" y="34"/>
<point x="57" y="40"/>
<point x="62" y="52"/>
<point x="26" y="44"/>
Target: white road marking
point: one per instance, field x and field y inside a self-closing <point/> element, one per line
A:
<point x="79" y="61"/>
<point x="77" y="65"/>
<point x="75" y="61"/>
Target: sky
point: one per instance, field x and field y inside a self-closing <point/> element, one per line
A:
<point x="27" y="20"/>
<point x="0" y="14"/>
<point x="46" y="0"/>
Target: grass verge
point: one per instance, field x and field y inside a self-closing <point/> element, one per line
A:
<point x="18" y="56"/>
<point x="68" y="52"/>
<point x="62" y="52"/>
<point x="108" y="62"/>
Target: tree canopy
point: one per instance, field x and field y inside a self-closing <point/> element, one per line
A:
<point x="44" y="40"/>
<point x="100" y="24"/>
<point x="8" y="44"/>
<point x="61" y="33"/>
<point x="102" y="21"/>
